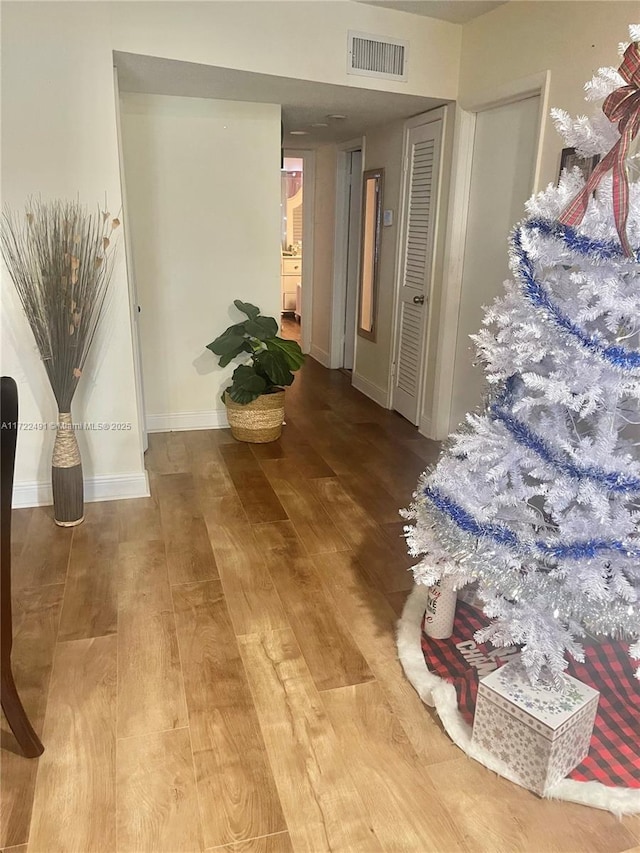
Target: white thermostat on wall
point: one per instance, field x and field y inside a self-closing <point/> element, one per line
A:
<point x="387" y="217"/>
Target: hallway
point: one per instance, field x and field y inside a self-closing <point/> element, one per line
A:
<point x="216" y="665"/>
<point x="290" y="328"/>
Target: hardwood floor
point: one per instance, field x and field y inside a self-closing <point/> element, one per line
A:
<point x="214" y="667"/>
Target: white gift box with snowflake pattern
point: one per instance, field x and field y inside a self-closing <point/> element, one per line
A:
<point x="541" y="731"/>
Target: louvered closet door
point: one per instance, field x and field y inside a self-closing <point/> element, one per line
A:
<point x="421" y="178"/>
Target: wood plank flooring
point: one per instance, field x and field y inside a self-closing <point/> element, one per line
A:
<point x="214" y="667"/>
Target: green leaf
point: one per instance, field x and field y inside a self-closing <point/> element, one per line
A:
<point x="230" y="341"/>
<point x="274" y="364"/>
<point x="247" y="308"/>
<point x="246" y="385"/>
<point x="262" y="328"/>
<point x="290" y="349"/>
<point x="224" y="360"/>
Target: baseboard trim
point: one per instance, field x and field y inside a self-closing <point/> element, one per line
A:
<point x="103" y="487"/>
<point x="370" y="389"/>
<point x="178" y="421"/>
<point x="425" y="428"/>
<point x="320" y="355"/>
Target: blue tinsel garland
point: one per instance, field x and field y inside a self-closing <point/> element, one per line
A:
<point x="603" y="250"/>
<point x="614" y="481"/>
<point x="502" y="535"/>
<point x="616" y="355"/>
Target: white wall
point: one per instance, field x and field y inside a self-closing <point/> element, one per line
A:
<point x="59" y="141"/>
<point x="571" y="40"/>
<point x="291" y="39"/>
<point x="59" y="129"/>
<point x="203" y="189"/>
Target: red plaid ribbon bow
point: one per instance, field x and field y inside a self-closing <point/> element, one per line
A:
<point x="622" y="106"/>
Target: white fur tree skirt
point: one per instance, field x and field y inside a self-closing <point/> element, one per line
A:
<point x="442" y="696"/>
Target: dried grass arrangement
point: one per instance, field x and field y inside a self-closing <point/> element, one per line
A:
<point x="60" y="258"/>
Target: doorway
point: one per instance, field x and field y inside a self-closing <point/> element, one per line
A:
<point x="347" y="255"/>
<point x="292" y="231"/>
<point x="296" y="243"/>
<point x="504" y="157"/>
<point x="354" y="166"/>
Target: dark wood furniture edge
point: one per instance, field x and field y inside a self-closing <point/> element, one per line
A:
<point x="28" y="740"/>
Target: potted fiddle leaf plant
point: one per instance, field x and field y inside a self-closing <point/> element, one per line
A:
<point x="255" y="397"/>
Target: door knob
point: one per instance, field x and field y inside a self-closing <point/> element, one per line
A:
<point x="418" y="300"/>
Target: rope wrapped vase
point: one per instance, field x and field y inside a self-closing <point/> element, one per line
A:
<point x="66" y="475"/>
<point x="60" y="258"/>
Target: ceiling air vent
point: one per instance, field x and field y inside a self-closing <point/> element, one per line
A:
<point x="377" y="56"/>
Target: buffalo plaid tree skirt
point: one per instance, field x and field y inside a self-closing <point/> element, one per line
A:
<point x="614" y="758"/>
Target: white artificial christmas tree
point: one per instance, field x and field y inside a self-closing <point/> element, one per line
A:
<point x="537" y="499"/>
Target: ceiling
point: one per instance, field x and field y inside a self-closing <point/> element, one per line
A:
<point x="456" y="11"/>
<point x="303" y="101"/>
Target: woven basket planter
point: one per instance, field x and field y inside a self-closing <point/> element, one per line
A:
<point x="259" y="421"/>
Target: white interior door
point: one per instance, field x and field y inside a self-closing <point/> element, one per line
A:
<point x="422" y="163"/>
<point x="353" y="257"/>
<point x="502" y="168"/>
